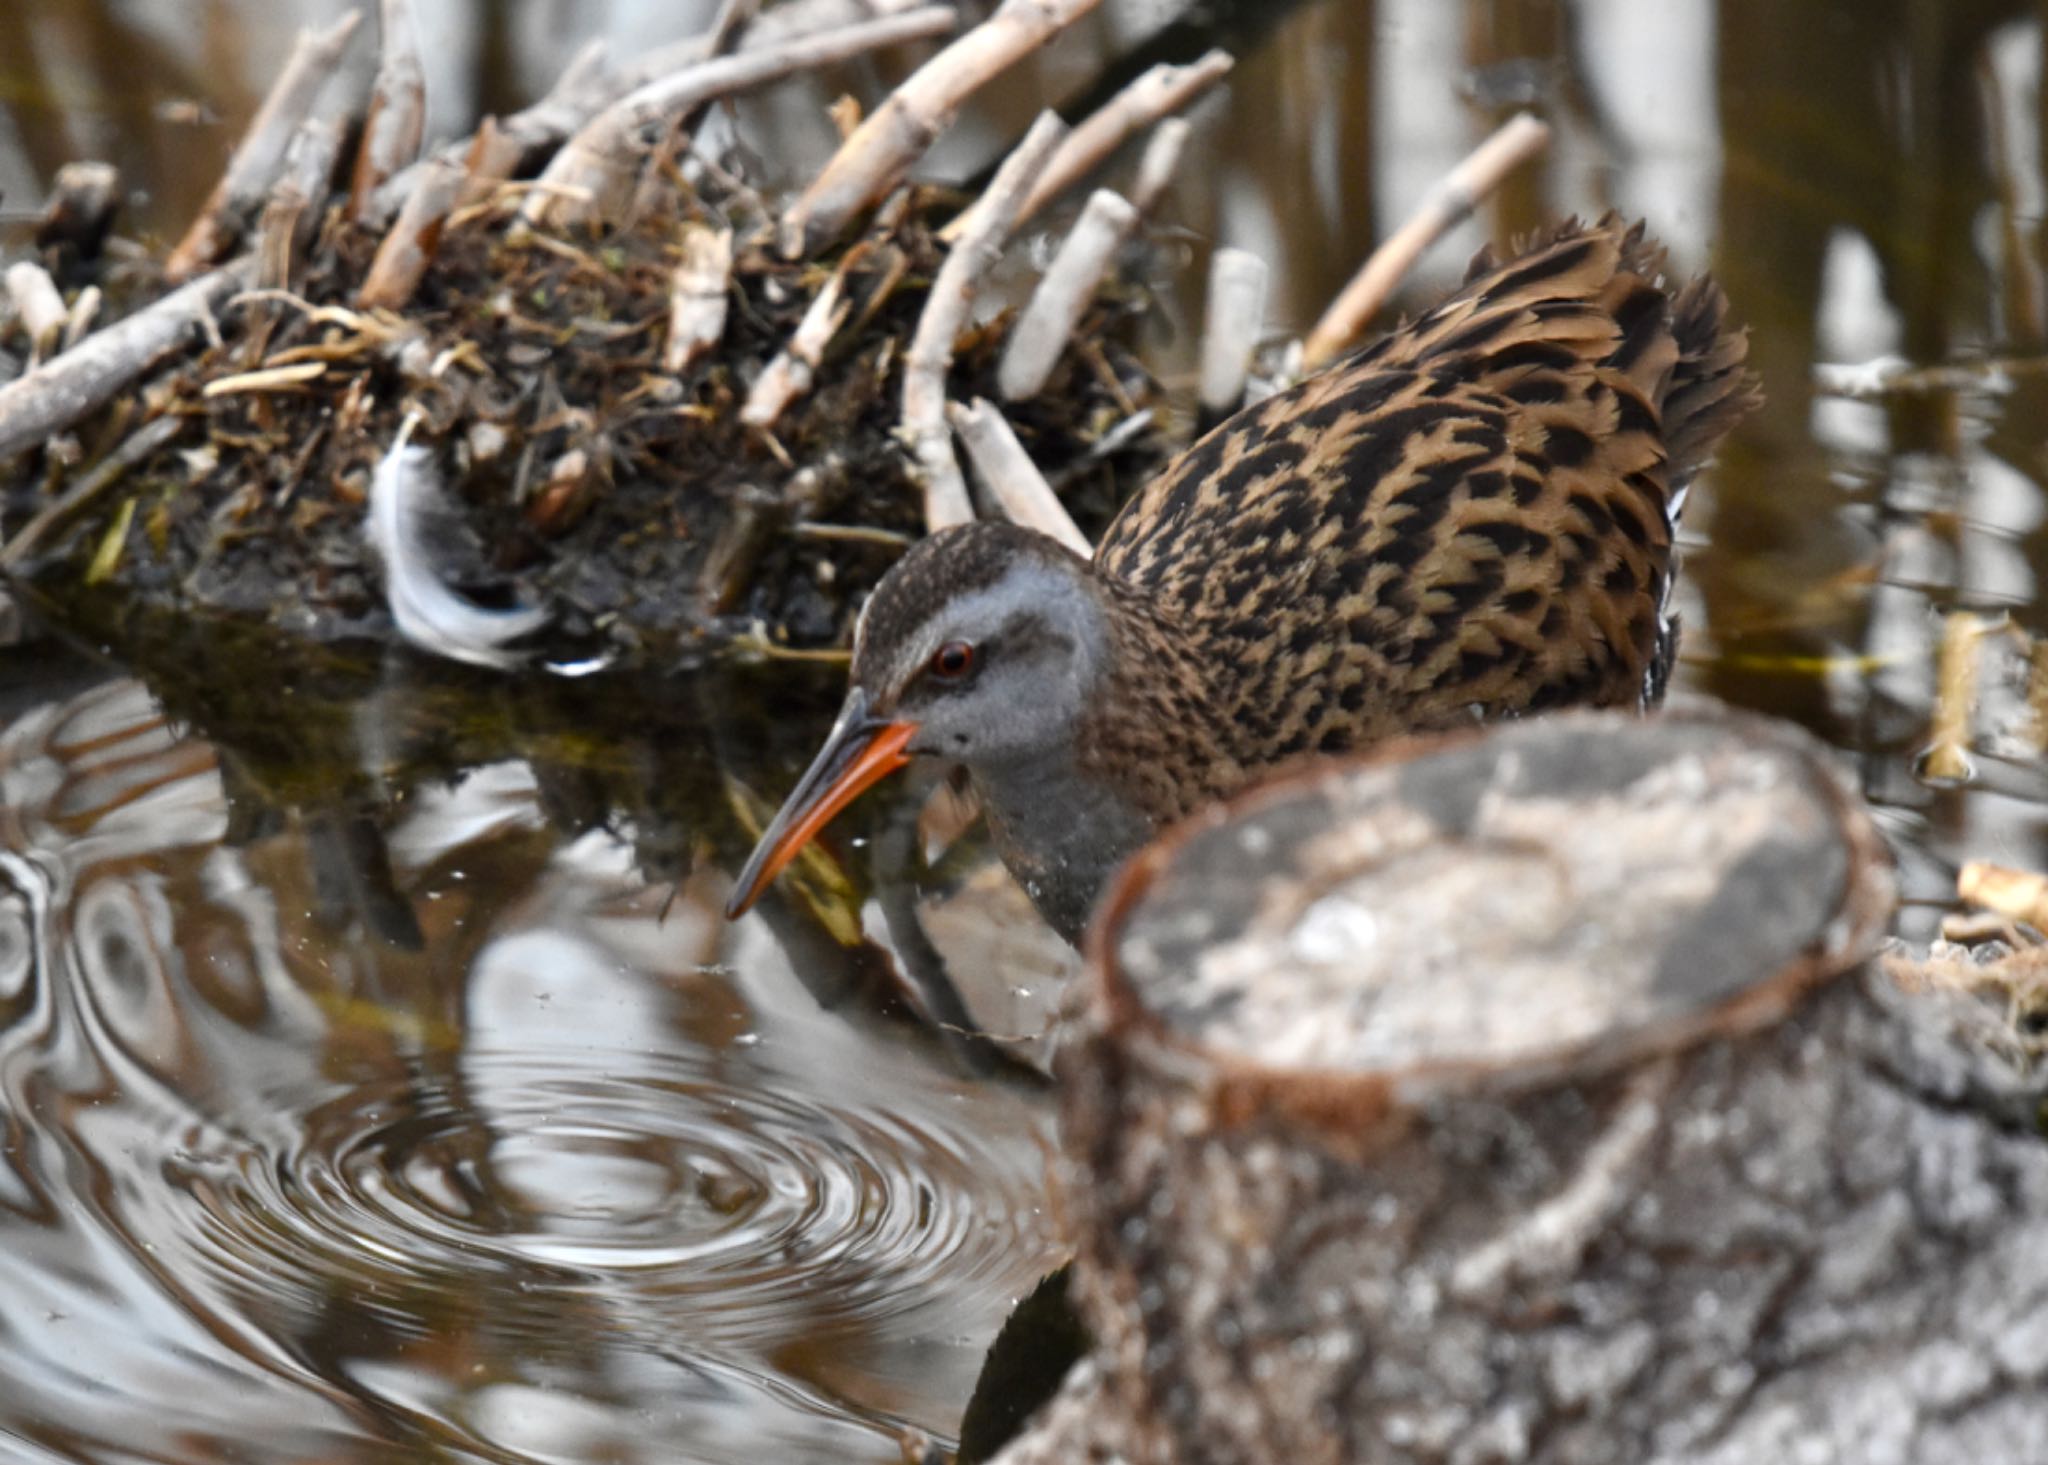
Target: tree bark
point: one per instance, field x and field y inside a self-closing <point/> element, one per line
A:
<point x="1519" y="1097"/>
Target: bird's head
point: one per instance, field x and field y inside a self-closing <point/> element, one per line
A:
<point x="982" y="645"/>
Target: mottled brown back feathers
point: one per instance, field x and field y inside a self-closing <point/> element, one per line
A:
<point x="1471" y="518"/>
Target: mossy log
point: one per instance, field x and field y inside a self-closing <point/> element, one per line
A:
<point x="1521" y="1097"/>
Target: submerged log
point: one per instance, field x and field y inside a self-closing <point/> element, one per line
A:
<point x="1515" y="1097"/>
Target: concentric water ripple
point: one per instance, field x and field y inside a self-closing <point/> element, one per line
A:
<point x="552" y="1184"/>
<point x="732" y="1201"/>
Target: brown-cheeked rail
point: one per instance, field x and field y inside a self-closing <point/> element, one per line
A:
<point x="1471" y="519"/>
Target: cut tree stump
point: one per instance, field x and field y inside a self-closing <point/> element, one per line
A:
<point x="1522" y="1097"/>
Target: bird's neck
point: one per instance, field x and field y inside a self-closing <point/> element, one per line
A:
<point x="1151" y="746"/>
<point x="1061" y="832"/>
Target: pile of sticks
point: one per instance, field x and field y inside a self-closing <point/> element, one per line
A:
<point x="305" y="270"/>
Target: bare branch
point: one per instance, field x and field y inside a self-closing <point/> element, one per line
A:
<point x="1448" y="204"/>
<point x="83" y="379"/>
<point x="592" y="175"/>
<point x="697" y="296"/>
<point x="1011" y="476"/>
<point x="398" y="104"/>
<point x="1162" y="90"/>
<point x="790" y="374"/>
<point x="896" y="134"/>
<point x="1062" y="297"/>
<point x="260" y="155"/>
<point x="945" y="313"/>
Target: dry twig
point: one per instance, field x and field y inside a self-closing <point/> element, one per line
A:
<point x="84" y="310"/>
<point x="790" y="374"/>
<point x="408" y="247"/>
<point x="398" y="104"/>
<point x="897" y="133"/>
<point x="1011" y="476"/>
<point x="1162" y="90"/>
<point x="697" y="295"/>
<point x="1160" y="162"/>
<point x="945" y="312"/>
<point x="592" y="174"/>
<point x="1449" y="203"/>
<point x="295" y="205"/>
<point x="260" y="155"/>
<point x="39" y="304"/>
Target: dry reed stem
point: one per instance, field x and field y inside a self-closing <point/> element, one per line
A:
<point x="930" y="356"/>
<point x="1449" y="203"/>
<point x="1946" y="758"/>
<point x="697" y="296"/>
<point x="260" y="154"/>
<point x="1161" y="160"/>
<point x="397" y="122"/>
<point x="1062" y="297"/>
<point x="61" y="391"/>
<point x="1237" y="314"/>
<point x="1012" y="478"/>
<point x="39" y="304"/>
<point x="883" y="148"/>
<point x="296" y="204"/>
<point x="1164" y="89"/>
<point x="592" y="175"/>
<point x="794" y="368"/>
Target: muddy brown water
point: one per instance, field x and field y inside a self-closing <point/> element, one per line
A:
<point x="359" y="1101"/>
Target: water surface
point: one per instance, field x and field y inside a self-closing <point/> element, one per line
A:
<point x="360" y="1104"/>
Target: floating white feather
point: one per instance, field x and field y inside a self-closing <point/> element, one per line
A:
<point x="429" y="614"/>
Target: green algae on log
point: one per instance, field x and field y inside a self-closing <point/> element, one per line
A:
<point x="644" y="497"/>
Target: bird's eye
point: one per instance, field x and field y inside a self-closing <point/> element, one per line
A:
<point x="953" y="661"/>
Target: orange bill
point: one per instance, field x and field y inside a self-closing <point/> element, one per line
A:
<point x="860" y="751"/>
